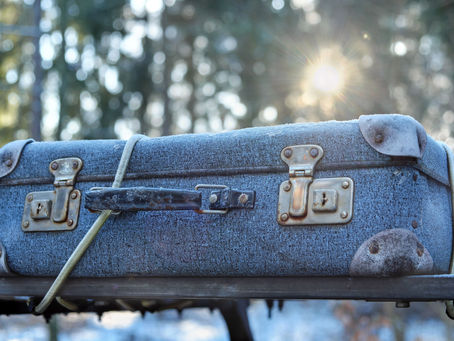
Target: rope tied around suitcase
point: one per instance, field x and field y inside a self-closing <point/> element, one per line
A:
<point x="91" y="233"/>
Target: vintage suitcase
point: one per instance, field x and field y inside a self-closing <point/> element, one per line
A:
<point x="294" y="203"/>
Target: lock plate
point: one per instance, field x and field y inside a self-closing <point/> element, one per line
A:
<point x="56" y="210"/>
<point x="304" y="200"/>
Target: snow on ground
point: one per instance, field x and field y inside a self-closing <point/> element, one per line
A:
<point x="299" y="320"/>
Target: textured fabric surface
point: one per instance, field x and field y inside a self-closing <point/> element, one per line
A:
<point x="243" y="242"/>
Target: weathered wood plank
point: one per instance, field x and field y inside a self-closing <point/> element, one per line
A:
<point x="411" y="288"/>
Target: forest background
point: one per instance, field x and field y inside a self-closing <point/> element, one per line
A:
<point x="108" y="69"/>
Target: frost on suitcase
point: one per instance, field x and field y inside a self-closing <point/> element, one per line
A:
<point x="369" y="198"/>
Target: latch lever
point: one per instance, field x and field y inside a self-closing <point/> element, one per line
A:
<point x="300" y="188"/>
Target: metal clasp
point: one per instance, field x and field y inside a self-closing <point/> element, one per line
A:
<point x="56" y="210"/>
<point x="211" y="199"/>
<point x="304" y="200"/>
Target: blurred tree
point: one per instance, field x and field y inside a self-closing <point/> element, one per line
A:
<point x="16" y="50"/>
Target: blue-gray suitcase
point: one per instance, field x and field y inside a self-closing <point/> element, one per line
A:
<point x="258" y="212"/>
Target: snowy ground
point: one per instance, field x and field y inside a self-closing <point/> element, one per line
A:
<point x="299" y="320"/>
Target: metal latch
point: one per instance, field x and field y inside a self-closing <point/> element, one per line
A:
<point x="56" y="210"/>
<point x="304" y="200"/>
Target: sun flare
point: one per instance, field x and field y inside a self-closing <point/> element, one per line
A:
<point x="327" y="78"/>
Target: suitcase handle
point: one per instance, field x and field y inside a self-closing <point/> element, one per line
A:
<point x="141" y="199"/>
<point x="133" y="199"/>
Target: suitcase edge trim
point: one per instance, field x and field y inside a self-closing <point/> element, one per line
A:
<point x="10" y="154"/>
<point x="394" y="134"/>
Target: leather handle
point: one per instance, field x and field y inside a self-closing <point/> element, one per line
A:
<point x="142" y="199"/>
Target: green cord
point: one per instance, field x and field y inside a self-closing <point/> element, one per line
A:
<point x="66" y="304"/>
<point x="91" y="233"/>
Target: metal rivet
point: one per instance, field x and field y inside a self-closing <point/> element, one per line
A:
<point x="54" y="165"/>
<point x="344" y="214"/>
<point x="419" y="249"/>
<point x="288" y="152"/>
<point x="284" y="216"/>
<point x="29" y="198"/>
<point x="74" y="195"/>
<point x="75" y="164"/>
<point x="402" y="304"/>
<point x="314" y="152"/>
<point x="378" y="138"/>
<point x="414" y="224"/>
<point x="1" y="252"/>
<point x="26" y="224"/>
<point x="374" y="248"/>
<point x="345" y="185"/>
<point x="243" y="198"/>
<point x="70" y="222"/>
<point x="9" y="163"/>
<point x="415" y="177"/>
<point x="213" y="198"/>
<point x="287" y="186"/>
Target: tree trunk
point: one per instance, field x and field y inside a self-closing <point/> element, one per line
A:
<point x="167" y="123"/>
<point x="62" y="69"/>
<point x="37" y="86"/>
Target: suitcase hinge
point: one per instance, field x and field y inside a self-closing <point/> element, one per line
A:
<point x="304" y="200"/>
<point x="56" y="210"/>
